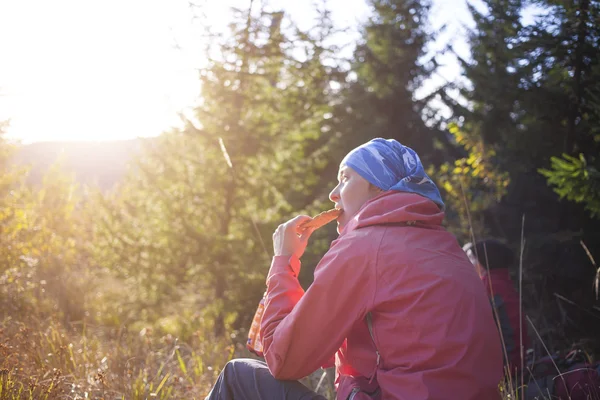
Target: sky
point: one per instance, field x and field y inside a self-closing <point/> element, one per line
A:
<point x="119" y="69"/>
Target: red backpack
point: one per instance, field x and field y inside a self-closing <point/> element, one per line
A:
<point x="578" y="379"/>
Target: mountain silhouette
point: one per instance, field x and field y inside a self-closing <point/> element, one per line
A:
<point x="92" y="163"/>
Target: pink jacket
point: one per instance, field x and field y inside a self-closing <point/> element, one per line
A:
<point x="431" y="318"/>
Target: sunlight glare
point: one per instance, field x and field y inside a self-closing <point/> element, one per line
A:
<point x="94" y="71"/>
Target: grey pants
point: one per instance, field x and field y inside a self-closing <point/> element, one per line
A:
<point x="248" y="379"/>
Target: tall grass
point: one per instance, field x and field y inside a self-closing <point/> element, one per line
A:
<point x="513" y="388"/>
<point x="44" y="359"/>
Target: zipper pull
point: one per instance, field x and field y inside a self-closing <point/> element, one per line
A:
<point x="376" y="366"/>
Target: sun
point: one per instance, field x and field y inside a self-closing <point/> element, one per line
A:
<point x="109" y="70"/>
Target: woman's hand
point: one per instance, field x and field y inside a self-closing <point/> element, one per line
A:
<point x="287" y="241"/>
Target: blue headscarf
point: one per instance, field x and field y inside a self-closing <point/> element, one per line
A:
<point x="390" y="165"/>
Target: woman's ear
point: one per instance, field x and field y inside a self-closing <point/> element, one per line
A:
<point x="375" y="189"/>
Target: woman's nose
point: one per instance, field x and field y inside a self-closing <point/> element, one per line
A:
<point x="334" y="196"/>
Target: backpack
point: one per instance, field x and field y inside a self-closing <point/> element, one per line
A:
<point x="578" y="379"/>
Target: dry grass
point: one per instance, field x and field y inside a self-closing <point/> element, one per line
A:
<point x="41" y="359"/>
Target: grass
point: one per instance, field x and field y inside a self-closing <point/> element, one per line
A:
<point x="513" y="387"/>
<point x="43" y="359"/>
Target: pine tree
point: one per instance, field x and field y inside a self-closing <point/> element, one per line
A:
<point x="485" y="120"/>
<point x="193" y="223"/>
<point x="389" y="65"/>
<point x="530" y="98"/>
<point x="569" y="63"/>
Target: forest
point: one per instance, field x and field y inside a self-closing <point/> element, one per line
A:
<point x="146" y="290"/>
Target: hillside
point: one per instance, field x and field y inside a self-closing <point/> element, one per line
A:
<point x="101" y="163"/>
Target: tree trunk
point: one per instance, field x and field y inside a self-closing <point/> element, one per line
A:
<point x="574" y="112"/>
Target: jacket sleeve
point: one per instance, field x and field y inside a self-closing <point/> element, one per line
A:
<point x="301" y="331"/>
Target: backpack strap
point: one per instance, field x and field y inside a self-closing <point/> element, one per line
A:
<point x="369" y="319"/>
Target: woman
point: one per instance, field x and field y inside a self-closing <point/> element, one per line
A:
<point x="395" y="299"/>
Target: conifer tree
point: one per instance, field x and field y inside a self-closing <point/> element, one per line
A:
<point x="193" y="222"/>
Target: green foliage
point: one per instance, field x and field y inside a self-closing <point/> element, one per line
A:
<point x="389" y="67"/>
<point x="188" y="232"/>
<point x="570" y="41"/>
<point x="574" y="175"/>
<point x="574" y="179"/>
<point x="471" y="185"/>
<point x="39" y="237"/>
<point x="493" y="95"/>
<point x="531" y="94"/>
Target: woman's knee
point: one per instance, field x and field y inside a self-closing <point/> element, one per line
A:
<point x="242" y="367"/>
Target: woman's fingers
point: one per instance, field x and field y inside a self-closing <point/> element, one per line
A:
<point x="297" y="222"/>
<point x="305" y="234"/>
